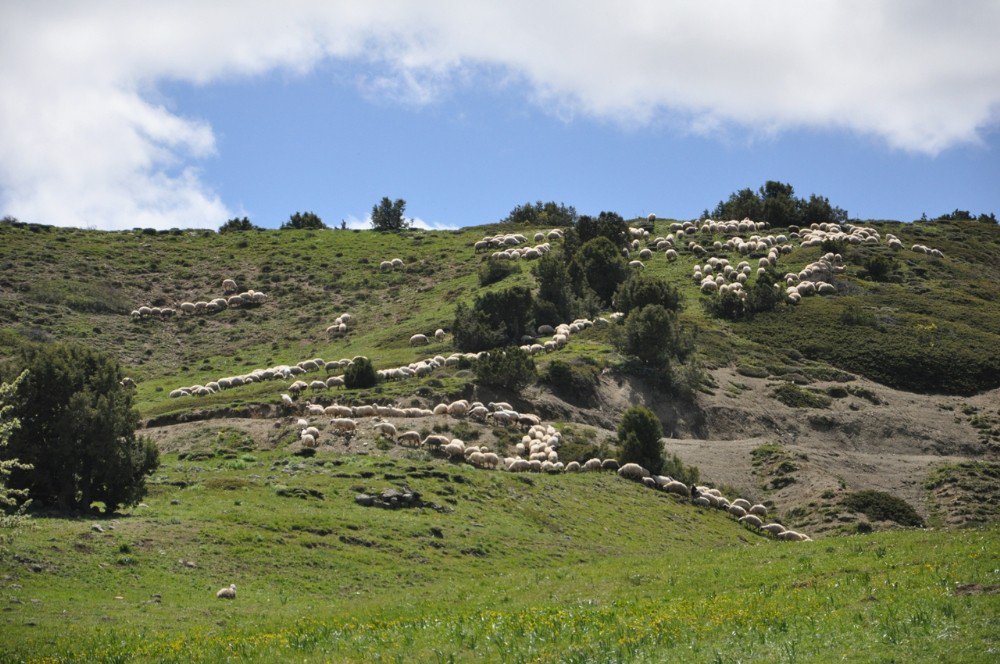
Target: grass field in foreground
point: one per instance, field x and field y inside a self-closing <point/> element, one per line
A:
<point x="584" y="567"/>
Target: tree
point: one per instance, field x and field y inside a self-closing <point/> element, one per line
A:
<point x="237" y="224"/>
<point x="599" y="265"/>
<point x="780" y="207"/>
<point x="556" y="303"/>
<point x="304" y="221"/>
<point x="639" y="434"/>
<point x="743" y="204"/>
<point x="542" y="214"/>
<point x="510" y="368"/>
<point x="508" y="311"/>
<point x="78" y="431"/>
<point x="472" y="331"/>
<point x="360" y="373"/>
<point x="607" y="224"/>
<point x="10" y="497"/>
<point x="641" y="289"/>
<point x="817" y="210"/>
<point x="388" y="216"/>
<point x="652" y="335"/>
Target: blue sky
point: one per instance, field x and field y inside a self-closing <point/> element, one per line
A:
<point x="316" y="142"/>
<point x="185" y="114"/>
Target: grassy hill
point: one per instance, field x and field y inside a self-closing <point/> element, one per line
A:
<point x="515" y="568"/>
<point x="512" y="567"/>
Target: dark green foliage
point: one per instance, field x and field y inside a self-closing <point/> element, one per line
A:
<point x="78" y="431"/>
<point x="577" y="381"/>
<point x="797" y="397"/>
<point x="360" y="374"/>
<point x="881" y="506"/>
<point x="610" y="225"/>
<point x="542" y="214"/>
<point x="600" y="267"/>
<point x="641" y="289"/>
<point x="304" y="221"/>
<point x="510" y="368"/>
<point x="674" y="468"/>
<point x="639" y="434"/>
<point x="236" y="224"/>
<point x="880" y="268"/>
<point x="776" y="203"/>
<point x="388" y="215"/>
<point x="492" y="271"/>
<point x="965" y="215"/>
<point x="652" y="335"/>
<point x="570" y="244"/>
<point x="472" y="330"/>
<point x="760" y="296"/>
<point x="556" y="302"/>
<point x="508" y="311"/>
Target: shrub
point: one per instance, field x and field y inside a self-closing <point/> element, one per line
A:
<point x="360" y="374"/>
<point x="578" y="381"/>
<point x="508" y="311"/>
<point x="556" y="302"/>
<point x="652" y="335"/>
<point x="510" y="368"/>
<point x="494" y="270"/>
<point x="9" y="497"/>
<point x="600" y="267"/>
<point x="639" y="434"/>
<point x="237" y="224"/>
<point x="880" y="268"/>
<point x="608" y="225"/>
<point x="388" y="215"/>
<point x="472" y="331"/>
<point x="675" y="468"/>
<point x="304" y="221"/>
<point x="796" y="397"/>
<point x="78" y="431"/>
<point x="881" y="506"/>
<point x="761" y="296"/>
<point x="542" y="214"/>
<point x="776" y="203"/>
<point x="641" y="289"/>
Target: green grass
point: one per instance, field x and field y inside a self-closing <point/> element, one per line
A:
<point x="797" y="397"/>
<point x="571" y="568"/>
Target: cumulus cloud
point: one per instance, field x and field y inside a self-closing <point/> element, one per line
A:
<point x="86" y="142"/>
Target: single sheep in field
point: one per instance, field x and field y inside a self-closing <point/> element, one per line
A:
<point x="573" y="467"/>
<point x="759" y="510"/>
<point x="387" y="429"/>
<point x="418" y="340"/>
<point x="633" y="471"/>
<point x="439" y="334"/>
<point x="773" y="528"/>
<point x="609" y="464"/>
<point x="227" y="593"/>
<point x="592" y="464"/>
<point x="741" y="502"/>
<point x="737" y="511"/>
<point x="229" y="286"/>
<point x="409" y="438"/>
<point x="752" y="520"/>
<point x="676" y="487"/>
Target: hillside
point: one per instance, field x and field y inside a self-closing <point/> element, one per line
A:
<point x="889" y="386"/>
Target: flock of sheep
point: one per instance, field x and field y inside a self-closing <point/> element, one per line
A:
<point x="232" y="299"/>
<point x="537" y="451"/>
<point x="510" y="249"/>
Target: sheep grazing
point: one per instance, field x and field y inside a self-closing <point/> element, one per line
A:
<point x="387" y="429"/>
<point x="592" y="465"/>
<point x="759" y="510"/>
<point x="227" y="593"/>
<point x="385" y="266"/>
<point x="737" y="511"/>
<point x="752" y="520"/>
<point x="633" y="471"/>
<point x="439" y="334"/>
<point x="741" y="502"/>
<point x="229" y="286"/>
<point x="419" y="340"/>
<point x="344" y="424"/>
<point x="678" y="488"/>
<point x="609" y="464"/>
<point x="773" y="528"/>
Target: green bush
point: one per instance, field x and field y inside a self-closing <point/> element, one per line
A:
<point x="508" y="311"/>
<point x="542" y="214"/>
<point x="599" y="266"/>
<point x="493" y="270"/>
<point x="556" y="302"/>
<point x="881" y="506"/>
<point x="472" y="330"/>
<point x="639" y="434"/>
<point x="641" y="289"/>
<point x="236" y="224"/>
<point x="578" y="381"/>
<point x="880" y="268"/>
<point x="304" y="221"/>
<point x="653" y="336"/>
<point x="360" y="374"/>
<point x="796" y="397"/>
<point x="608" y="225"/>
<point x="674" y="468"/>
<point x="77" y="431"/>
<point x="510" y="368"/>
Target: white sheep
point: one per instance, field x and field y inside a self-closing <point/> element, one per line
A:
<point x="759" y="510"/>
<point x="633" y="471"/>
<point x="227" y="593"/>
<point x="439" y="334"/>
<point x="752" y="520"/>
<point x="418" y="340"/>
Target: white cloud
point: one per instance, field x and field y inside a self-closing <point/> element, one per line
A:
<point x="85" y="143"/>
